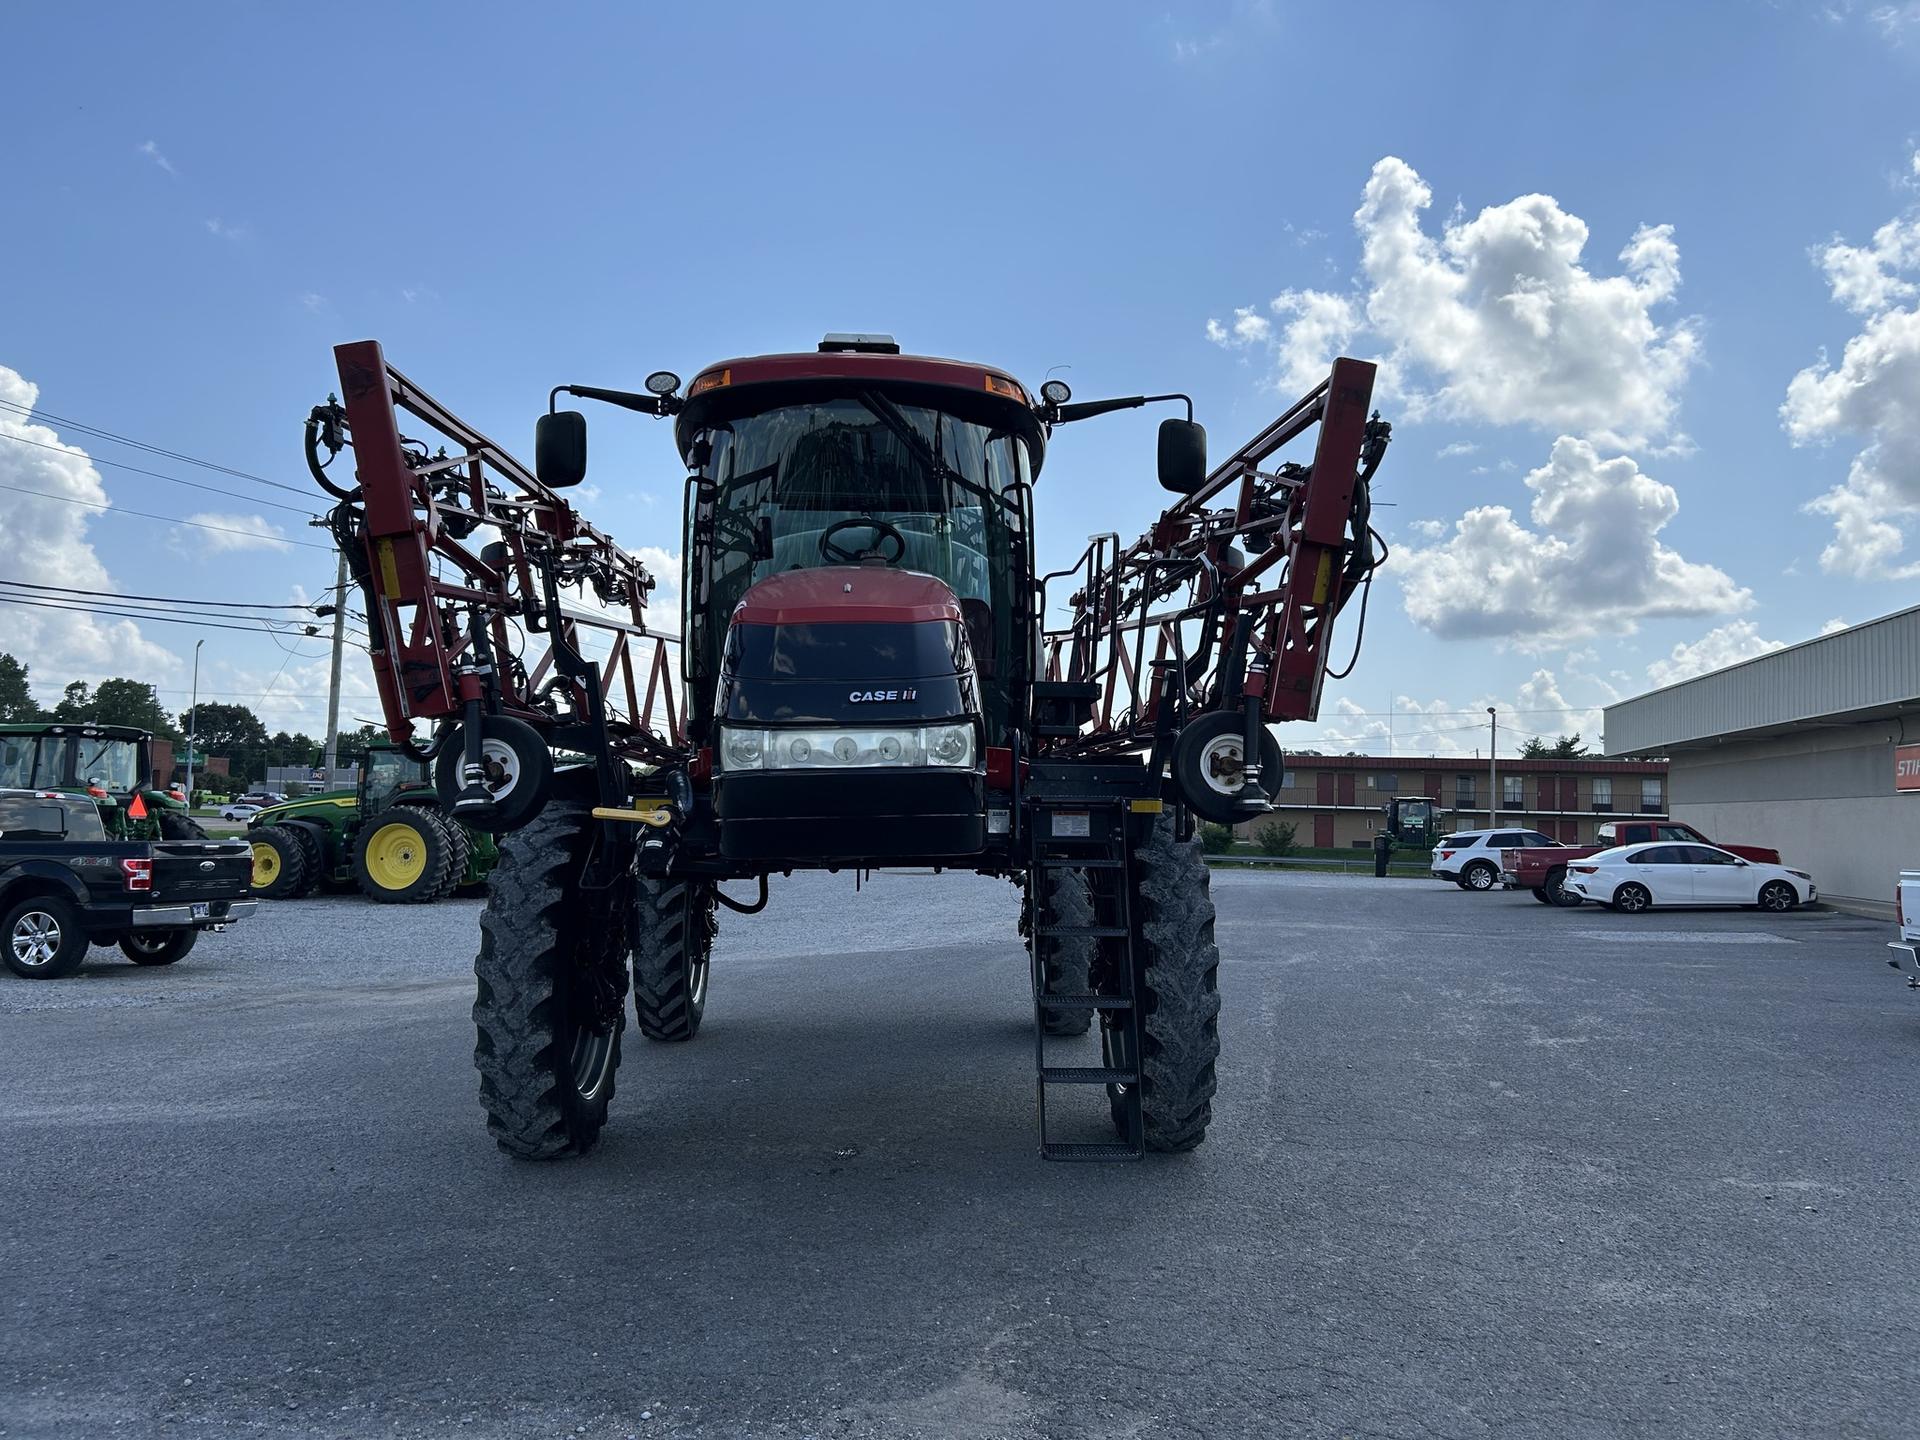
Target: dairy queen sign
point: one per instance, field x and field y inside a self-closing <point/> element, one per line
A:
<point x="1906" y="767"/>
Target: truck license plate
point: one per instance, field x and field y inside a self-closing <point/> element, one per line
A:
<point x="1072" y="824"/>
<point x="202" y="909"/>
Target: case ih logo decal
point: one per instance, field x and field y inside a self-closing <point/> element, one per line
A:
<point x="862" y="697"/>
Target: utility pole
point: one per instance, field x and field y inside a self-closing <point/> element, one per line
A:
<point x="333" y="678"/>
<point x="193" y="721"/>
<point x="1493" y="765"/>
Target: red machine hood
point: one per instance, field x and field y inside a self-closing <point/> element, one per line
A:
<point x="846" y="594"/>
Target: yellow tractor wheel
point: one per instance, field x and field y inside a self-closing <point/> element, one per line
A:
<point x="282" y="868"/>
<point x="401" y="856"/>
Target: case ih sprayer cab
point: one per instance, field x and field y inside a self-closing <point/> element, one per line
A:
<point x="870" y="671"/>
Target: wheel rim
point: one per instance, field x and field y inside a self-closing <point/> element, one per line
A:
<point x="396" y="856"/>
<point x="592" y="1061"/>
<point x="697" y="982"/>
<point x="1223" y="764"/>
<point x="266" y="865"/>
<point x="147" y="944"/>
<point x="1775" y="897"/>
<point x="1481" y="878"/>
<point x="1633" y="899"/>
<point x="35" y="939"/>
<point x="502" y="765"/>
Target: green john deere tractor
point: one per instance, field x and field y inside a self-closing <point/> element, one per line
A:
<point x="388" y="835"/>
<point x="111" y="765"/>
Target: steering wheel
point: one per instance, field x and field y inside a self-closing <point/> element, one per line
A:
<point x="882" y="532"/>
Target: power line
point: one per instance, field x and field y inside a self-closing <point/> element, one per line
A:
<point x="163" y="599"/>
<point x="33" y="410"/>
<point x="156" y="475"/>
<point x="168" y="519"/>
<point x="198" y="624"/>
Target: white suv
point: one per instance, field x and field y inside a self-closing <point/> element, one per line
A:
<point x="1471" y="858"/>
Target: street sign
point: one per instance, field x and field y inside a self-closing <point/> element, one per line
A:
<point x="1906" y="767"/>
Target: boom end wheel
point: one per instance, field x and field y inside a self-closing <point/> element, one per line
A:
<point x="511" y="784"/>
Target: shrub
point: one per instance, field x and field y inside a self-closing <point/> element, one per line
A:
<point x="1216" y="839"/>
<point x="1276" y="837"/>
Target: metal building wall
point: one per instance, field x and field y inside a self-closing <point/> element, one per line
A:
<point x="1868" y="666"/>
<point x="1823" y="798"/>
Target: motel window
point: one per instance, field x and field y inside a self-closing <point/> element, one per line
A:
<point x="1603" y="792"/>
<point x="1463" y="790"/>
<point x="1388" y="782"/>
<point x="1650" y="797"/>
<point x="1513" y="790"/>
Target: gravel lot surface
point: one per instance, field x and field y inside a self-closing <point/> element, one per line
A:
<point x="1478" y="1168"/>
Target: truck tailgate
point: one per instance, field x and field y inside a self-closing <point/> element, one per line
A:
<point x="201" y="870"/>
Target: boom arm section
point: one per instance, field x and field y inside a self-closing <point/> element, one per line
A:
<point x="1227" y="603"/>
<point x="462" y="558"/>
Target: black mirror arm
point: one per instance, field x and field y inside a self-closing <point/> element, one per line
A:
<point x="625" y="399"/>
<point x="1087" y="409"/>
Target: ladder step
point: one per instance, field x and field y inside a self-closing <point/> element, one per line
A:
<point x="1098" y="932"/>
<point x="1086" y="1075"/>
<point x="1046" y="862"/>
<point x="1086" y="1002"/>
<point x="1081" y="802"/>
<point x="1064" y="1150"/>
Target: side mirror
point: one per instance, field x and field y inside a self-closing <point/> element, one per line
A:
<point x="1183" y="456"/>
<point x="560" y="449"/>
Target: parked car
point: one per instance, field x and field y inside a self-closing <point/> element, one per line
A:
<point x="1633" y="878"/>
<point x="1544" y="870"/>
<point x="1906" y="914"/>
<point x="259" y="799"/>
<point x="64" y="886"/>
<point x="1471" y="858"/>
<point x="240" y="810"/>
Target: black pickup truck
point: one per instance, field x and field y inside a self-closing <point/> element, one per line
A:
<point x="65" y="886"/>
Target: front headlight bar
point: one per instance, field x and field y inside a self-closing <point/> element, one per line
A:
<point x="949" y="746"/>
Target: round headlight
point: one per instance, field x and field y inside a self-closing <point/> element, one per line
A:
<point x="889" y="747"/>
<point x="662" y="382"/>
<point x="743" y="748"/>
<point x="845" y="749"/>
<point x="950" y="745"/>
<point x="1055" y="392"/>
<point x="799" y="749"/>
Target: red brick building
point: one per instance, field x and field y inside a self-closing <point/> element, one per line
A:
<point x="1338" y="800"/>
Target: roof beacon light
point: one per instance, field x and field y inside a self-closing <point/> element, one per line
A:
<point x="839" y="344"/>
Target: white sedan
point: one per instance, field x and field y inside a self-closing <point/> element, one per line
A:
<point x="1636" y="877"/>
<point x="239" y="812"/>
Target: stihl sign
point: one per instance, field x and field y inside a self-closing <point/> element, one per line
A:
<point x="1906" y="767"/>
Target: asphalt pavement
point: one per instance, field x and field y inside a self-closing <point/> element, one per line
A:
<point x="1478" y="1168"/>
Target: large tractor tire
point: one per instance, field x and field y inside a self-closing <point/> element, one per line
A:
<point x="1064" y="962"/>
<point x="1173" y="943"/>
<point x="178" y="825"/>
<point x="401" y="857"/>
<point x="280" y="863"/>
<point x="674" y="925"/>
<point x="551" y="1005"/>
<point x="462" y="846"/>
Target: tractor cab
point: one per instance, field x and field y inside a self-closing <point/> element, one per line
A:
<point x="109" y="764"/>
<point x="1412" y="821"/>
<point x="387" y="773"/>
<point x="859" y="621"/>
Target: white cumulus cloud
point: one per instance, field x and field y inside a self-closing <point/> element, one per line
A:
<point x="1498" y="318"/>
<point x="48" y="545"/>
<point x="1592" y="564"/>
<point x="225" y="532"/>
<point x="1720" y="647"/>
<point x="1873" y="395"/>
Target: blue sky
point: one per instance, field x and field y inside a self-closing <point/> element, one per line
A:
<point x="202" y="200"/>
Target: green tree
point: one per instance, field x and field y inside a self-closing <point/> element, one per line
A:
<point x="16" y="697"/>
<point x="1566" y="747"/>
<point x="1277" y="837"/>
<point x="230" y="730"/>
<point x="117" y="701"/>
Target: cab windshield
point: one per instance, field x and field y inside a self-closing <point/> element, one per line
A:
<point x="389" y="771"/>
<point x="66" y="762"/>
<point x="784" y="477"/>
